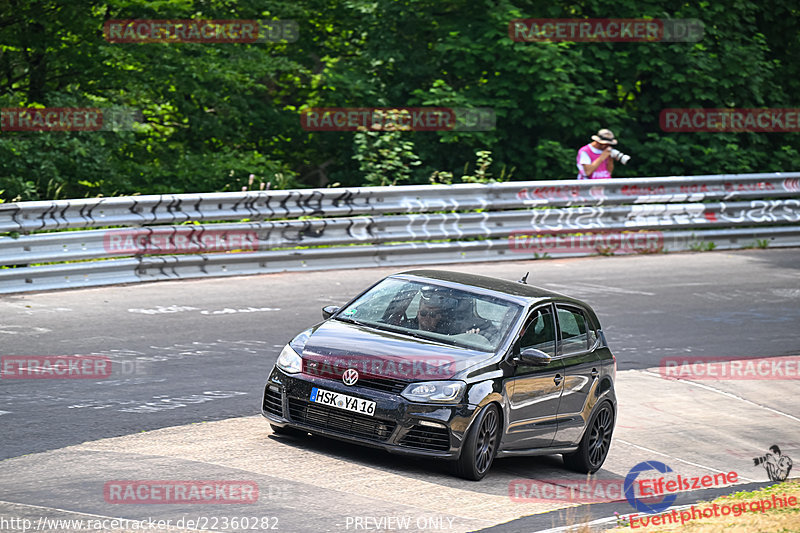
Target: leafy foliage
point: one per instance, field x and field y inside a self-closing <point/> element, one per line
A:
<point x="482" y="173"/>
<point x="384" y="158"/>
<point x="213" y="114"/>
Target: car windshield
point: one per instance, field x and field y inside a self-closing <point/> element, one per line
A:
<point x="433" y="312"/>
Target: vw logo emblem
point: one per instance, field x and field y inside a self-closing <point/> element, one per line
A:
<point x="350" y="377"/>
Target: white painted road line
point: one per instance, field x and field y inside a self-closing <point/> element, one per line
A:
<point x="725" y="393"/>
<point x="678" y="459"/>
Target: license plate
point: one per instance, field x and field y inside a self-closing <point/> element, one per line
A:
<point x="343" y="401"/>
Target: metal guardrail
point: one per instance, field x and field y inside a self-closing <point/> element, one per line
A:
<point x="338" y="202"/>
<point x="187" y="236"/>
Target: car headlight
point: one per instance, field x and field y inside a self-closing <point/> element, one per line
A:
<point x="434" y="391"/>
<point x="289" y="361"/>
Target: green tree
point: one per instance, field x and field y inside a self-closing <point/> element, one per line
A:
<point x="215" y="113"/>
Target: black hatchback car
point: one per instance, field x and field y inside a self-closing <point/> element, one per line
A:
<point x="454" y="366"/>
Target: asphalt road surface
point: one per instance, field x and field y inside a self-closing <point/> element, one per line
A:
<point x="190" y="359"/>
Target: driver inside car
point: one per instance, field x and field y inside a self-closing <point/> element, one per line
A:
<point x="440" y="312"/>
<point x="430" y="316"/>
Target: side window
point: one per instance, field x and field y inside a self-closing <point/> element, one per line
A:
<point x="413" y="307"/>
<point x="574" y="336"/>
<point x="540" y="332"/>
<point x="394" y="310"/>
<point x="490" y="311"/>
<point x="593" y="335"/>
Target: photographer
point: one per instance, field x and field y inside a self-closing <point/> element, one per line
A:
<point x="595" y="160"/>
<point x="775" y="463"/>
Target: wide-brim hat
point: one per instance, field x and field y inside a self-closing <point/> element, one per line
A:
<point x="604" y="136"/>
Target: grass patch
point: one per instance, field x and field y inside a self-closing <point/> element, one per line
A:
<point x="753" y="520"/>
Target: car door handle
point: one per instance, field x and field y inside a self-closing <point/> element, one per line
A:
<point x="558" y="379"/>
<point x="595" y="373"/>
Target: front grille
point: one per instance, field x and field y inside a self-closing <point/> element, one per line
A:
<point x="395" y="386"/>
<point x="367" y="381"/>
<point x="352" y="424"/>
<point x="272" y="402"/>
<point x="427" y="438"/>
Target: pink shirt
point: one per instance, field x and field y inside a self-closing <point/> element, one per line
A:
<point x="592" y="153"/>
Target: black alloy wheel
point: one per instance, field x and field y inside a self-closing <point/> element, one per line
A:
<point x="594" y="446"/>
<point x="480" y="446"/>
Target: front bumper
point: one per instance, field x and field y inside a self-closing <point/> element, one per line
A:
<point x="397" y="426"/>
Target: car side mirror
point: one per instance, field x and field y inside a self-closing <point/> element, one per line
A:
<point x="533" y="356"/>
<point x="328" y="311"/>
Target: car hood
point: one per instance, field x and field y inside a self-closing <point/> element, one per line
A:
<point x="334" y="346"/>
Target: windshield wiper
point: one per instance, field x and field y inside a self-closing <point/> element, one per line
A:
<point x="412" y="333"/>
<point x="353" y="321"/>
<point x="400" y="330"/>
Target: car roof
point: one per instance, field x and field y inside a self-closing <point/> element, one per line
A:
<point x="512" y="288"/>
<point x="521" y="292"/>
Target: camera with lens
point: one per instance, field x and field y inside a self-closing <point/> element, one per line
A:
<point x="619" y="156"/>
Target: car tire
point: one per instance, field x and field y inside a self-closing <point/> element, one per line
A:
<point x="480" y="446"/>
<point x="596" y="441"/>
